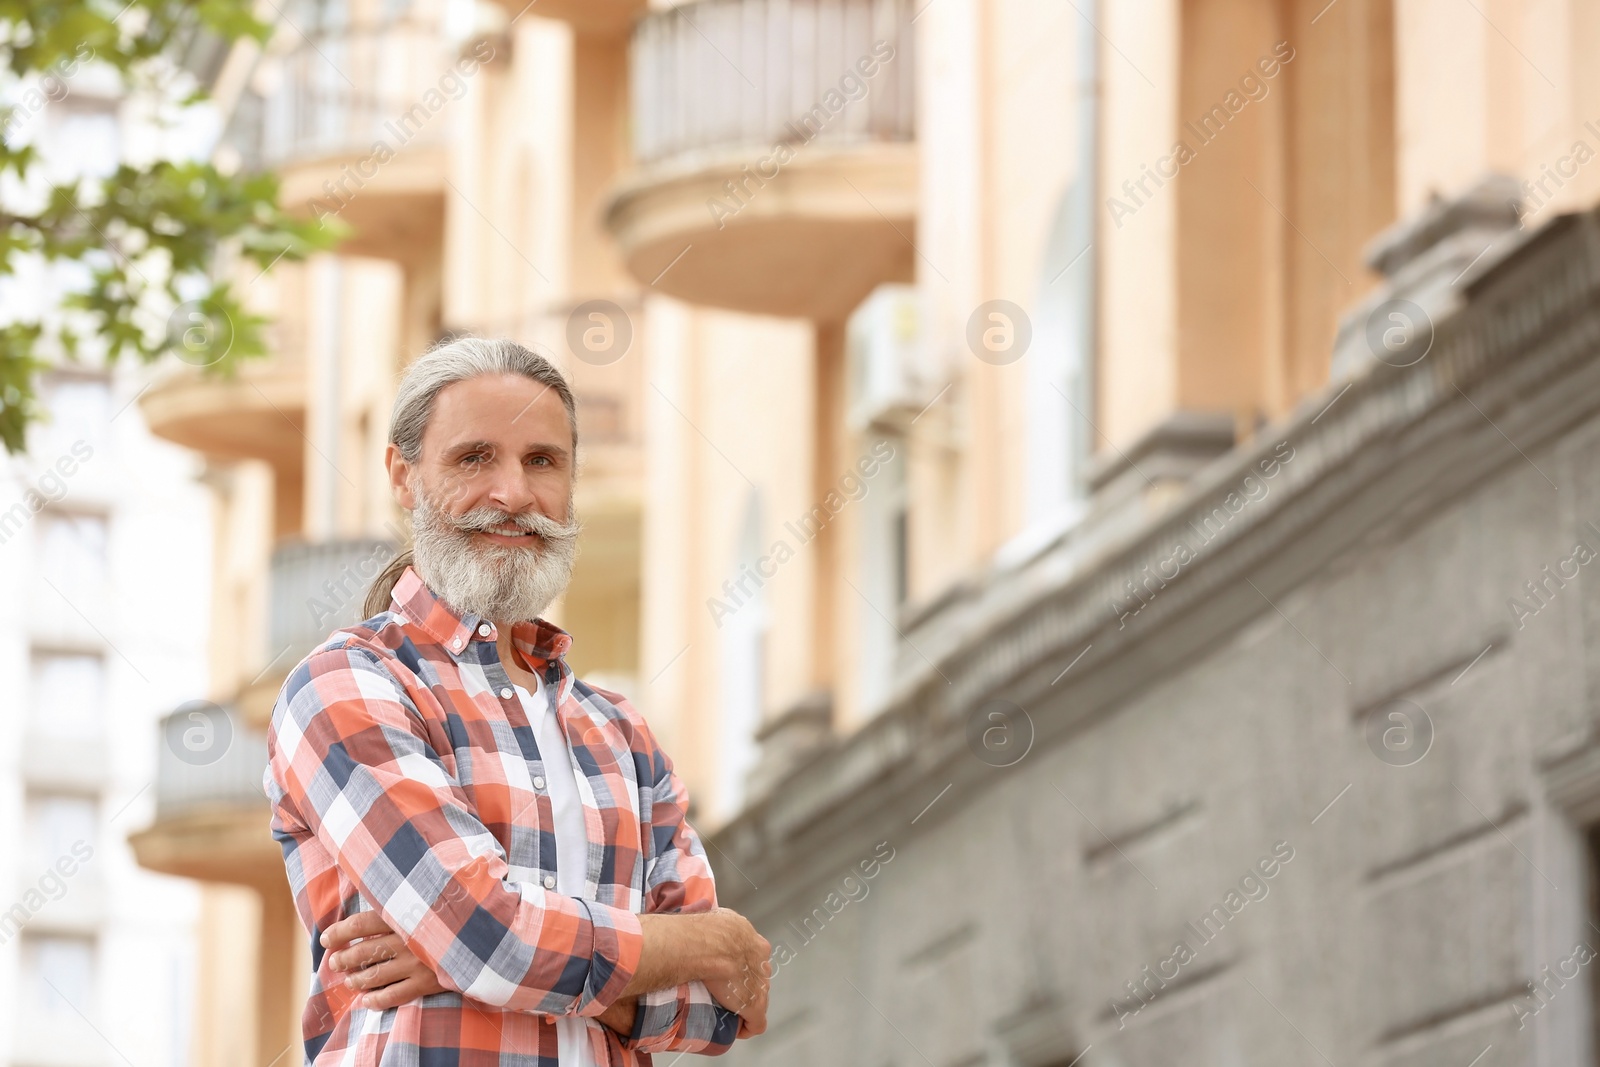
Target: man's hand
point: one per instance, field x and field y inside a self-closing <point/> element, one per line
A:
<point x="380" y="964"/>
<point x="745" y="987"/>
<point x="719" y="948"/>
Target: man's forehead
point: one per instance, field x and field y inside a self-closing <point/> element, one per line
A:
<point x="499" y="410"/>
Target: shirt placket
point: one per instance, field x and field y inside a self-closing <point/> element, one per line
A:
<point x="525" y="777"/>
<point x="577" y="728"/>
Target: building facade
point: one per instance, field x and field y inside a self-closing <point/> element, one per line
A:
<point x="1064" y="460"/>
<point x="100" y="636"/>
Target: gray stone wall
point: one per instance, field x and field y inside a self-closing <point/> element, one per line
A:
<point x="1338" y="690"/>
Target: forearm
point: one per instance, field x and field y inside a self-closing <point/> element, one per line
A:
<point x="678" y="948"/>
<point x="681" y="948"/>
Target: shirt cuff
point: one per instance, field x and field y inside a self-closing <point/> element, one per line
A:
<point x="618" y="942"/>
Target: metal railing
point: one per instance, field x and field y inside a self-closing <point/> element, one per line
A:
<point x="317" y="587"/>
<point x="208" y="758"/>
<point x="361" y="91"/>
<point x="730" y="73"/>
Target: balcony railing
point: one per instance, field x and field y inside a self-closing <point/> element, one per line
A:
<point x="348" y="92"/>
<point x="317" y="587"/>
<point x="208" y="758"/>
<point x="722" y="74"/>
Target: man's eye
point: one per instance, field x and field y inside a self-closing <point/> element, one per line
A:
<point x="540" y="461"/>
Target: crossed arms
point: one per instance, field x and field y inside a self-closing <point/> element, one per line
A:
<point x="360" y="785"/>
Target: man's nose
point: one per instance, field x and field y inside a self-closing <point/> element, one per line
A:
<point x="508" y="488"/>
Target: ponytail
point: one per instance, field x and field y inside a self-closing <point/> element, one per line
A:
<point x="382" y="587"/>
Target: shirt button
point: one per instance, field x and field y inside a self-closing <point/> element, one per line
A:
<point x="549" y="881"/>
<point x="538" y="782"/>
<point x="456" y="644"/>
<point x="483" y="629"/>
<point x="506" y="692"/>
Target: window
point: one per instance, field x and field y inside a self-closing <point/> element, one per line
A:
<point x="72" y="557"/>
<point x="80" y="410"/>
<point x="57" y="822"/>
<point x="884" y="576"/>
<point x="68" y="695"/>
<point x="742" y="640"/>
<point x="1059" y="393"/>
<point x="57" y="977"/>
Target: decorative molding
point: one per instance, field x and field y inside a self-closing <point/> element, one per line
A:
<point x="1171" y="450"/>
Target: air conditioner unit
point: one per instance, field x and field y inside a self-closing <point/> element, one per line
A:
<point x="892" y="372"/>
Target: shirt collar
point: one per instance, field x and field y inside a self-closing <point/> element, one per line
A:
<point x="538" y="641"/>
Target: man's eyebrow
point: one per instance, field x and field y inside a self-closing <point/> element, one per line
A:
<point x="465" y="447"/>
<point x="558" y="451"/>
<point x="462" y="448"/>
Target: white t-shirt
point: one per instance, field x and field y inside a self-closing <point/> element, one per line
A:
<point x="572" y="843"/>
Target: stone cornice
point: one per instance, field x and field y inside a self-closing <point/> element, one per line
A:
<point x="1381" y="443"/>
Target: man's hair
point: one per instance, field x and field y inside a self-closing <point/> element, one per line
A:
<point x="443" y="365"/>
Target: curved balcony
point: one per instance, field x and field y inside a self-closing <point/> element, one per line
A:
<point x="211" y="810"/>
<point x="355" y="120"/>
<point x="257" y="413"/>
<point x="316" y="587"/>
<point x="775" y="145"/>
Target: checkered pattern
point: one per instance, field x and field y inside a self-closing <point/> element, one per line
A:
<point x="402" y="776"/>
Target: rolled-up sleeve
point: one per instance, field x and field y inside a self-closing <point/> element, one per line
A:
<point x="349" y="751"/>
<point x="678" y="878"/>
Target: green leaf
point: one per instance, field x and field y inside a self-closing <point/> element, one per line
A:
<point x="148" y="236"/>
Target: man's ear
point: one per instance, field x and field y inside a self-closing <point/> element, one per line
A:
<point x="399" y="477"/>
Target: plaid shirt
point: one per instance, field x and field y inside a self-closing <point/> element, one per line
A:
<point x="404" y="778"/>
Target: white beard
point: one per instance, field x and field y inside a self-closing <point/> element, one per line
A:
<point x="502" y="583"/>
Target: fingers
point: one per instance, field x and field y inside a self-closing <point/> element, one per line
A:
<point x="366" y="953"/>
<point x="382" y="974"/>
<point x="361" y="924"/>
<point x="402" y="992"/>
<point x="753" y="1020"/>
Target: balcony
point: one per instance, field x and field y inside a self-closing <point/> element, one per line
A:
<point x="776" y="157"/>
<point x="258" y="413"/>
<point x="355" y="120"/>
<point x="316" y="587"/>
<point x="211" y="810"/>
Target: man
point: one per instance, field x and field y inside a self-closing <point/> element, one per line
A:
<point x="492" y="857"/>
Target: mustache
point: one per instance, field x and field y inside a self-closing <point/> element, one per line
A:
<point x="485" y="518"/>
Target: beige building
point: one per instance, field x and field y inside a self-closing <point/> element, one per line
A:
<point x="887" y="320"/>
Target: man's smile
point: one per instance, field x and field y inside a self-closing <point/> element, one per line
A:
<point x="509" y="535"/>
